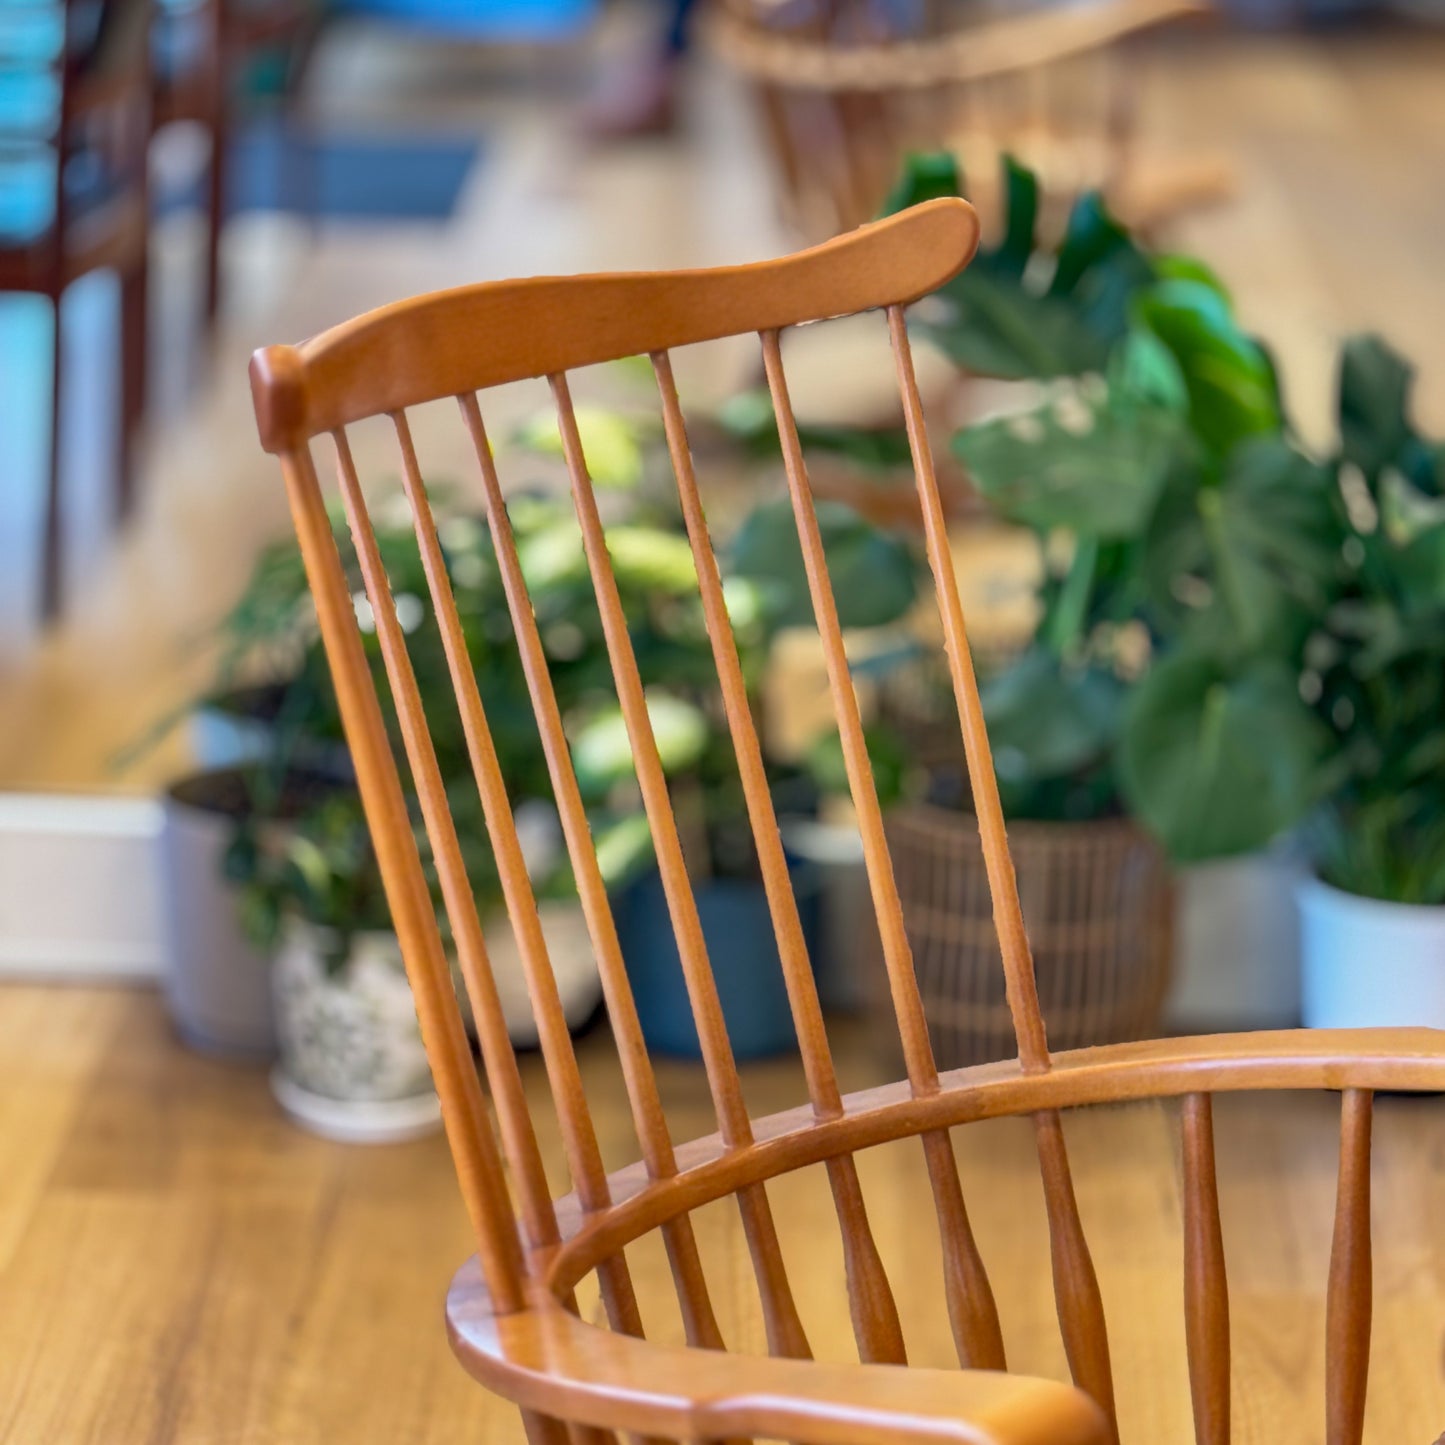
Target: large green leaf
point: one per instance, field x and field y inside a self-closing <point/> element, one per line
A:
<point x="1216" y="762"/>
<point x="1233" y="391"/>
<point x="1099" y="268"/>
<point x="602" y="750"/>
<point x="611" y="444"/>
<point x="1047" y="718"/>
<point x="1006" y="317"/>
<point x="1374" y="397"/>
<point x="874" y="574"/>
<point x="1094" y="466"/>
<point x="1265" y="541"/>
<point x="651" y="559"/>
<point x="988" y="324"/>
<point x="927" y="176"/>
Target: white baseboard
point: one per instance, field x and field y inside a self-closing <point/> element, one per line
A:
<point x="79" y="891"/>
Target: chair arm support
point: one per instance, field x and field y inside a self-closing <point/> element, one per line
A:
<point x="550" y="1361"/>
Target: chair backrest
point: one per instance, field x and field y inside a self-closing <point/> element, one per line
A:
<point x="453" y="344"/>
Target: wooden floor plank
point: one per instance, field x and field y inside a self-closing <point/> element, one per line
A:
<point x="185" y="1266"/>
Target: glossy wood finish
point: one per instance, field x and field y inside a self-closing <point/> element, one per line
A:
<point x="181" y="1265"/>
<point x="648" y="1119"/>
<point x="1347" y="1322"/>
<point x="512" y="1322"/>
<point x="1206" y="1283"/>
<point x="427" y="347"/>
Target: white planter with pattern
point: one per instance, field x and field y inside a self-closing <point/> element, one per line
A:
<point x="352" y="1062"/>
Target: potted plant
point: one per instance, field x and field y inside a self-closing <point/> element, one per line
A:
<point x="1373" y="916"/>
<point x="1146" y="449"/>
<point x="766" y="591"/>
<point x="351" y="1065"/>
<point x="216" y="981"/>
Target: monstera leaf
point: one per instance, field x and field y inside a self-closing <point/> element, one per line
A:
<point x="1376" y="432"/>
<point x="1047" y="718"/>
<point x="1015" y="313"/>
<point x="874" y="574"/>
<point x="1218" y="761"/>
<point x="1263" y="543"/>
<point x="1091" y="464"/>
<point x="1231" y="383"/>
<point x="1374" y="395"/>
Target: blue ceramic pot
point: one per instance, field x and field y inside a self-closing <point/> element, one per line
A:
<point x="738" y="931"/>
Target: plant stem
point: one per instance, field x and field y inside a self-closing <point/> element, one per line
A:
<point x="1065" y="624"/>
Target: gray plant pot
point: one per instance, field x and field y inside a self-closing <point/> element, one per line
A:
<point x="217" y="985"/>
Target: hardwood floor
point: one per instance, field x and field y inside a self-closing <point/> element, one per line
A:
<point x="179" y="1264"/>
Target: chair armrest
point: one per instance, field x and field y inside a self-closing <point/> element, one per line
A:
<point x="550" y="1361"/>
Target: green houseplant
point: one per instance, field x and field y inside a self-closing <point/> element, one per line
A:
<point x="1374" y="916"/>
<point x="308" y="884"/>
<point x="1236" y="636"/>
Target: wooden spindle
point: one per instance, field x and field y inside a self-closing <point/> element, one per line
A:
<point x="1076" y="1286"/>
<point x="1018" y="964"/>
<point x="898" y="957"/>
<point x="464" y="1113"/>
<point x="1206" y="1285"/>
<point x="875" y="1313"/>
<point x="584" y="1159"/>
<point x="785" y="1329"/>
<point x="970" y="1302"/>
<point x="1349" y="1304"/>
<point x="515" y="1121"/>
<point x="972" y="1310"/>
<point x="638" y="1075"/>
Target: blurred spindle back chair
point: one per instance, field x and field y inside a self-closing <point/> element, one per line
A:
<point x="512" y="1313"/>
<point x="75" y="125"/>
<point x="846" y="89"/>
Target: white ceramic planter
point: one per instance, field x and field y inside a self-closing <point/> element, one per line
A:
<point x="1370" y="964"/>
<point x="352" y="1062"/>
<point x="569" y="949"/>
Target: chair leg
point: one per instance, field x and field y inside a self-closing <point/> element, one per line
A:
<point x="51" y="548"/>
<point x="133" y="382"/>
<point x="216" y="206"/>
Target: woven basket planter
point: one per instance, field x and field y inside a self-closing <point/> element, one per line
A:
<point x="1097" y="901"/>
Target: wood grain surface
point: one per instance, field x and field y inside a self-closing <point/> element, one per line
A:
<point x="179" y="1264"/>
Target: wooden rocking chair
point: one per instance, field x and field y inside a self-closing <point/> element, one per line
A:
<point x="511" y="1311"/>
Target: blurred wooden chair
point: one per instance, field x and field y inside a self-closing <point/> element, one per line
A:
<point x="847" y="88"/>
<point x="74" y="129"/>
<point x="512" y="1313"/>
<point x="213" y="60"/>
